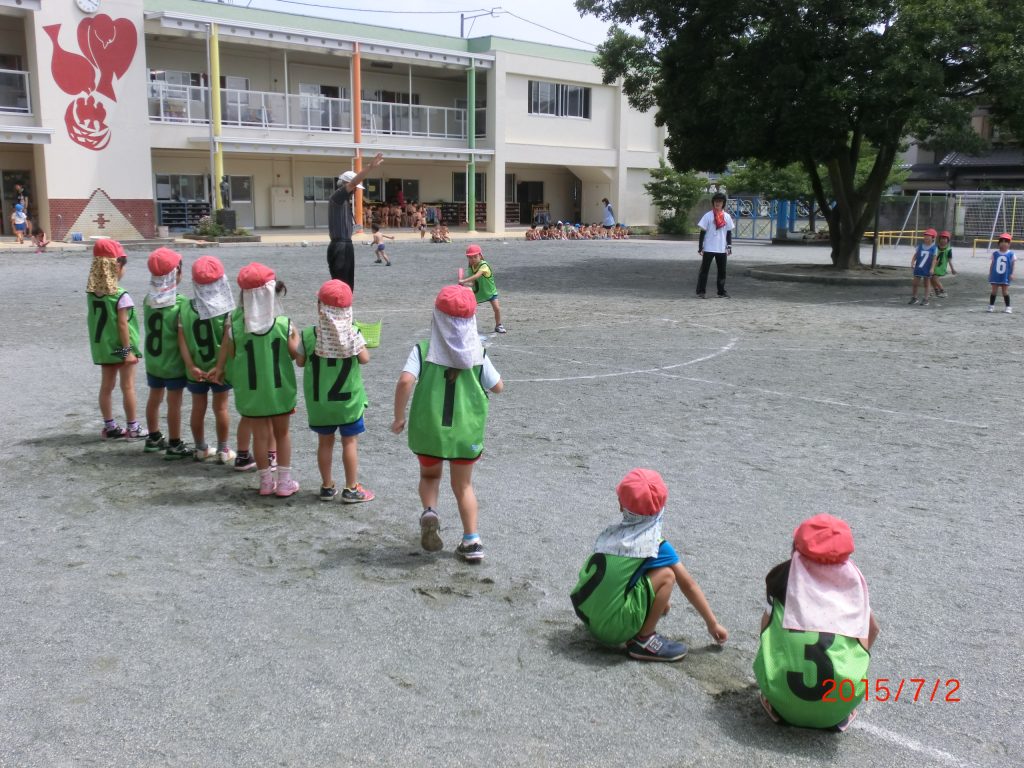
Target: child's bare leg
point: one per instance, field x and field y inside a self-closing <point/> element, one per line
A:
<point x="350" y="459"/>
<point x="127" y="373"/>
<point x="663" y="580"/>
<point x="462" y="486"/>
<point x="197" y="419"/>
<point x="324" y="459"/>
<point x="282" y="439"/>
<point x="497" y="311"/>
<point x="108" y="378"/>
<point x="220" y="414"/>
<point x="430" y="485"/>
<point x="260" y="430"/>
<point x="174" y="413"/>
<point x="153" y="403"/>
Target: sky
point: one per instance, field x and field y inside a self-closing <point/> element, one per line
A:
<point x="556" y="22"/>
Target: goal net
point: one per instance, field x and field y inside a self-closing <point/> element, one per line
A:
<point x="975" y="217"/>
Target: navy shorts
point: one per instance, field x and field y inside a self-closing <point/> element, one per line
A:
<point x="203" y="387"/>
<point x="922" y="272"/>
<point x="155" y="382"/>
<point x="347" y="430"/>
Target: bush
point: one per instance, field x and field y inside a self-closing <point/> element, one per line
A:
<point x="207" y="227"/>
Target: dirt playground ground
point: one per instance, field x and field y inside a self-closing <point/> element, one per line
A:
<point x="160" y="613"/>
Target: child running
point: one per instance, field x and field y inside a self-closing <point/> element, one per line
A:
<point x="482" y="280"/>
<point x="625" y="587"/>
<point x="923" y="264"/>
<point x="165" y="370"/>
<point x="378" y="245"/>
<point x="257" y="352"/>
<point x="943" y="263"/>
<point x="448" y="378"/>
<point x="816" y="631"/>
<point x="19" y="220"/>
<point x="1000" y="272"/>
<point x="200" y="330"/>
<point x="113" y="336"/>
<point x="332" y="354"/>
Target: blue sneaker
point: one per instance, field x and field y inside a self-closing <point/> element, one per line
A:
<point x="656" y="648"/>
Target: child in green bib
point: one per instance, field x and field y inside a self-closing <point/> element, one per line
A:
<point x="943" y="264"/>
<point x="625" y="586"/>
<point x="113" y="336"/>
<point x="481" y="280"/>
<point x="448" y="380"/>
<point x="331" y="354"/>
<point x="817" y="629"/>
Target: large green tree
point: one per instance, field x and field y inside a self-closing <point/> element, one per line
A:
<point x="816" y="82"/>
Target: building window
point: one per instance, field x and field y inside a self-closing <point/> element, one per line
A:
<point x="181" y="187"/>
<point x="558" y="99"/>
<point x="459" y="187"/>
<point x="318" y="188"/>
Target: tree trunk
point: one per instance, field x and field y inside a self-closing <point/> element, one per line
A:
<point x="846" y="250"/>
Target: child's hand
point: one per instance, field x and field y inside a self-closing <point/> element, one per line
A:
<point x="197" y="373"/>
<point x="131" y="359"/>
<point x="720" y="633"/>
<point x="216" y="376"/>
<point x="397" y="426"/>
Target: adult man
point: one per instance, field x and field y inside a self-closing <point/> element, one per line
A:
<point x="341" y="253"/>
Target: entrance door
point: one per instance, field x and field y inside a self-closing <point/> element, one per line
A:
<point x="529" y="193"/>
<point x="7" y="181"/>
<point x="241" y="201"/>
<point x="391" y="189"/>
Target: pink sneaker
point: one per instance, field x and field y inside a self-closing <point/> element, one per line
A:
<point x="286" y="488"/>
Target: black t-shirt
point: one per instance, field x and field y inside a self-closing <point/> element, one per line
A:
<point x="23" y="198"/>
<point x="340" y="221"/>
<point x="776" y="581"/>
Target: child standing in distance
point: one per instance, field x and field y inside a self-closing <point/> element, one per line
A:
<point x="625" y="587"/>
<point x="200" y="329"/>
<point x="923" y="264"/>
<point x="817" y="626"/>
<point x="448" y="378"/>
<point x="19" y="221"/>
<point x="113" y="336"/>
<point x="378" y="245"/>
<point x="943" y="263"/>
<point x="715" y="244"/>
<point x="481" y="278"/>
<point x="331" y="354"/>
<point x="257" y="352"/>
<point x="1000" y="272"/>
<point x="165" y="370"/>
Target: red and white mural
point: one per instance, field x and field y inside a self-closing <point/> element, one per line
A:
<point x="107" y="47"/>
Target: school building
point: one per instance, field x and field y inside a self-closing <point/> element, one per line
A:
<point x="117" y="114"/>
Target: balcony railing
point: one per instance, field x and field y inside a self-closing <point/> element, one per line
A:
<point x="170" y="103"/>
<point x="14" y="93"/>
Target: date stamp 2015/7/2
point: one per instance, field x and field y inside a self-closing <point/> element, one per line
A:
<point x="885" y="689"/>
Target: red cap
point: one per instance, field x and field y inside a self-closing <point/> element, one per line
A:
<point x="824" y="539"/>
<point x="944" y="233"/>
<point x="456" y="301"/>
<point x="255" y="275"/>
<point x="473" y="250"/>
<point x="107" y="249"/>
<point x="163" y="261"/>
<point x="206" y="270"/>
<point x="335" y="293"/>
<point x="1006" y="236"/>
<point x="930" y="232"/>
<point x="642" y="492"/>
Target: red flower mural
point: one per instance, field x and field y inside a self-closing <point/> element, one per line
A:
<point x="107" y="48"/>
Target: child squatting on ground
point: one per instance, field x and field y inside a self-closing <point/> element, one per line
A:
<point x="256" y="354"/>
<point x="332" y="354"/>
<point x="481" y="280"/>
<point x="816" y="631"/>
<point x="448" y="379"/>
<point x="165" y="368"/>
<point x="201" y="325"/>
<point x="1000" y="272"/>
<point x="923" y="264"/>
<point x="113" y="336"/>
<point x="625" y="586"/>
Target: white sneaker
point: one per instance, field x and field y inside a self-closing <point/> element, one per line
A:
<point x="1008" y="311"/>
<point x="202" y="454"/>
<point x="990" y="308"/>
<point x="225" y="457"/>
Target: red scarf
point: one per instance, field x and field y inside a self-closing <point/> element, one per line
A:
<point x="719" y="218"/>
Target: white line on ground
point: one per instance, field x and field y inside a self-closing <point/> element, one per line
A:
<point x="907" y="742"/>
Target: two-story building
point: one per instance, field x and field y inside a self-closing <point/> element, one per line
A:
<point x="117" y="114"/>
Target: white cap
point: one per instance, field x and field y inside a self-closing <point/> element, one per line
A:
<point x="347" y="176"/>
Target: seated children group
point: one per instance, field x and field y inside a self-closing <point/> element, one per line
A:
<point x="568" y="231"/>
<point x="816" y="598"/>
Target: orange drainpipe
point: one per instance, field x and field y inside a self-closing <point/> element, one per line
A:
<point x="357" y="130"/>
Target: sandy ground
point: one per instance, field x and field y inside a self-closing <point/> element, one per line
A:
<point x="162" y="614"/>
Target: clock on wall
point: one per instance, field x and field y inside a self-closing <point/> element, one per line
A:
<point x="88" y="6"/>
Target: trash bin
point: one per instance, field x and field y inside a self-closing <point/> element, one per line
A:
<point x="163" y="232"/>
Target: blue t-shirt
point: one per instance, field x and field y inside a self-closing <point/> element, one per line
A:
<point x="924" y="257"/>
<point x="666" y="556"/>
<point x="1001" y="269"/>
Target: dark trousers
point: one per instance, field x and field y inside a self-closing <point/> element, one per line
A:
<point x="705" y="267"/>
<point x="341" y="261"/>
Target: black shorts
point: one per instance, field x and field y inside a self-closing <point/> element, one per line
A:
<point x="341" y="261"/>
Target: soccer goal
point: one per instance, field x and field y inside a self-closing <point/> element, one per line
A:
<point x="975" y="217"/>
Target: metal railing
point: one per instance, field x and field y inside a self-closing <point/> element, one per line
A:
<point x="169" y="103"/>
<point x="15" y="96"/>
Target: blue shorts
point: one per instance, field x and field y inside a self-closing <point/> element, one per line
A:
<point x="155" y="382"/>
<point x="203" y="387"/>
<point x="380" y="246"/>
<point x="922" y="272"/>
<point x="20" y="227"/>
<point x="489" y="298"/>
<point x="347" y="430"/>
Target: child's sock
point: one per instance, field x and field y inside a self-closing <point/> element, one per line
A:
<point x="174" y="441"/>
<point x="992" y="300"/>
<point x="222" y="446"/>
<point x="155" y="436"/>
<point x="284" y="474"/>
<point x="133" y="425"/>
<point x="469" y="538"/>
<point x="110" y="423"/>
<point x="642" y="638"/>
<point x="1006" y="299"/>
<point x="200" y="446"/>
